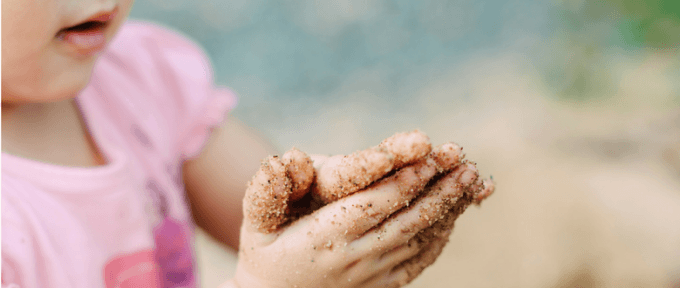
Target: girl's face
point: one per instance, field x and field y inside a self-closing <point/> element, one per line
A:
<point x="49" y="46"/>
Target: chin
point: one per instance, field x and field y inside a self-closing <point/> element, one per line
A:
<point x="72" y="90"/>
<point x="66" y="85"/>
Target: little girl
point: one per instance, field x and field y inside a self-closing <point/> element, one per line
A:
<point x="114" y="143"/>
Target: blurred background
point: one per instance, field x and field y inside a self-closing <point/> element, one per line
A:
<point x="573" y="107"/>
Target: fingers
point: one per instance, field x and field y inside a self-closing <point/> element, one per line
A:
<point x="341" y="176"/>
<point x="414" y="266"/>
<point x="352" y="216"/>
<point x="431" y="241"/>
<point x="396" y="256"/>
<point x="487" y="188"/>
<point x="266" y="203"/>
<point x="403" y="264"/>
<point x="318" y="160"/>
<point x="300" y="171"/>
<point x="433" y="205"/>
<point x="439" y="231"/>
<point x="387" y="279"/>
<point x="361" y="212"/>
<point x="379" y="264"/>
<point x="407" y="147"/>
<point x="448" y="155"/>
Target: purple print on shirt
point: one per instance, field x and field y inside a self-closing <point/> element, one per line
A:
<point x="141" y="136"/>
<point x="173" y="252"/>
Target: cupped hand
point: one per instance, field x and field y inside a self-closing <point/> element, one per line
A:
<point x="388" y="213"/>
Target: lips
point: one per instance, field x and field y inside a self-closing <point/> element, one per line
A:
<point x="88" y="36"/>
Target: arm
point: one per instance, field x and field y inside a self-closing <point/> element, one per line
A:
<point x="338" y="244"/>
<point x="216" y="180"/>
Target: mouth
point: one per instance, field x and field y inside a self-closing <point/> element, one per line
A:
<point x="88" y="37"/>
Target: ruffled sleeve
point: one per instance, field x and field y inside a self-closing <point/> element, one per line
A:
<point x="221" y="101"/>
<point x="178" y="77"/>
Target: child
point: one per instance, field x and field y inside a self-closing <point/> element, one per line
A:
<point x="104" y="124"/>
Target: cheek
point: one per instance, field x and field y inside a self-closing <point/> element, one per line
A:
<point x="44" y="78"/>
<point x="31" y="68"/>
<point x="27" y="27"/>
<point x="35" y="68"/>
<point x="67" y="75"/>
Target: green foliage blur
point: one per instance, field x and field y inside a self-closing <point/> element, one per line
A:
<point x="650" y="23"/>
<point x="593" y="34"/>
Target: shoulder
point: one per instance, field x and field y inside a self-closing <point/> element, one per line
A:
<point x="160" y="53"/>
<point x="149" y="66"/>
<point x="148" y="29"/>
<point x="137" y="34"/>
<point x="161" y="74"/>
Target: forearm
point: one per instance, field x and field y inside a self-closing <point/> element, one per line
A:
<point x="216" y="180"/>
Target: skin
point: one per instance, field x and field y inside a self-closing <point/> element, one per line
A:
<point x="274" y="188"/>
<point x="41" y="77"/>
<point x="382" y="236"/>
<point x="40" y="120"/>
<point x="300" y="170"/>
<point x="342" y="175"/>
<point x="38" y="67"/>
<point x="439" y="207"/>
<point x="216" y="190"/>
<point x="406" y="148"/>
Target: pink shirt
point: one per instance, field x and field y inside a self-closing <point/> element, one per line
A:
<point x="150" y="105"/>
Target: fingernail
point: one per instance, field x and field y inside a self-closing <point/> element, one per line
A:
<point x="467" y="177"/>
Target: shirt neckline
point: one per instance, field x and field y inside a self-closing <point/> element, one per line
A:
<point x="72" y="179"/>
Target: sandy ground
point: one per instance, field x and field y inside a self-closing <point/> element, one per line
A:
<point x="588" y="194"/>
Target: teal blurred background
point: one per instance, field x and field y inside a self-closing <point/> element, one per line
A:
<point x="573" y="106"/>
<point x="292" y="58"/>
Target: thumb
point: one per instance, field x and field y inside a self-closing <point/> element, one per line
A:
<point x="280" y="180"/>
